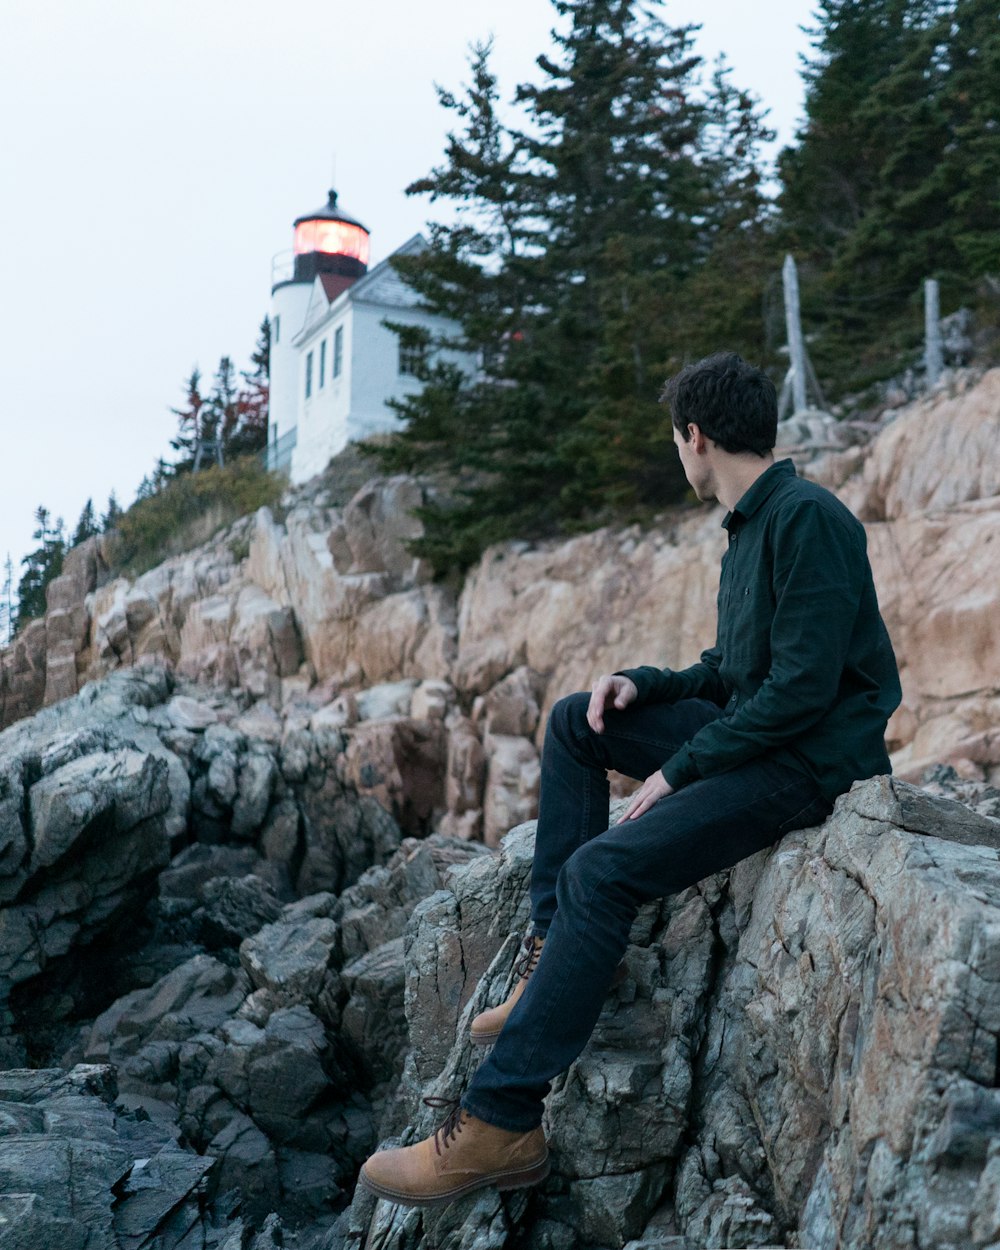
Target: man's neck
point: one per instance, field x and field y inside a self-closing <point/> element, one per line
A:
<point x="734" y="475"/>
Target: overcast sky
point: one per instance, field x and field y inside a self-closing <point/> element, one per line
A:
<point x="155" y="153"/>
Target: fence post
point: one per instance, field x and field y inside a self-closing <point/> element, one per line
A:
<point x="793" y="326"/>
<point x="933" y="351"/>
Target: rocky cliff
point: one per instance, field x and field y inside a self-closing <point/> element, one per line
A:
<point x="313" y="610"/>
<point x="248" y="905"/>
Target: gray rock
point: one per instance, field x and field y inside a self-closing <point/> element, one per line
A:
<point x="234" y="909"/>
<point x="102" y="794"/>
<point x="373" y="1020"/>
<point x="377" y="907"/>
<point x="257" y="775"/>
<point x="294" y="959"/>
<point x="804" y="1051"/>
<point x="75" y="1167"/>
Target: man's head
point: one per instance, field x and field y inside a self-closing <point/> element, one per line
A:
<point x="731" y="402"/>
<point x="725" y="415"/>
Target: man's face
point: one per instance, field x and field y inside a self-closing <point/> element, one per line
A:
<point x="696" y="470"/>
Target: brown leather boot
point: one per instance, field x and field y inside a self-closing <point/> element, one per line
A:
<point x="462" y="1155"/>
<point x="486" y="1027"/>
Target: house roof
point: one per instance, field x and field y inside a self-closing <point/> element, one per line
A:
<point x="381" y="286"/>
<point x="330" y="212"/>
<point x="335" y="284"/>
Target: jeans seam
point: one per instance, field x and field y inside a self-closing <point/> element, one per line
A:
<point x="785" y="823"/>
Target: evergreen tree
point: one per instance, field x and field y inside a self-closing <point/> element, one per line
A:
<point x="87" y="526"/>
<point x="111" y="517"/>
<point x="566" y="270"/>
<point x="476" y="273"/>
<point x="253" y="398"/>
<point x="967" y="176"/>
<point x="615" y="129"/>
<point x="723" y="298"/>
<point x="154" y="482"/>
<point x="859" y="203"/>
<point x="221" y="414"/>
<point x="190" y="420"/>
<point x="40" y="566"/>
<point x="831" y="173"/>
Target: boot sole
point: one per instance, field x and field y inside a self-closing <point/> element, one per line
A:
<point x="502" y="1180"/>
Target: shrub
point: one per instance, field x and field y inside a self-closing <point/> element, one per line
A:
<point x="188" y="510"/>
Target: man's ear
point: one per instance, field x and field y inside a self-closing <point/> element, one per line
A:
<point x="697" y="439"/>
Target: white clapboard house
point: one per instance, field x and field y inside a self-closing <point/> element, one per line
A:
<point x="334" y="364"/>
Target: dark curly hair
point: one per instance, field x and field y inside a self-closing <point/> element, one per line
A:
<point x="732" y="403"/>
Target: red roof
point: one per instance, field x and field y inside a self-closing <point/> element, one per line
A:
<point x="335" y="284"/>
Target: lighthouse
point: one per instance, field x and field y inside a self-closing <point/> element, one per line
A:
<point x="328" y="244"/>
<point x="336" y="366"/>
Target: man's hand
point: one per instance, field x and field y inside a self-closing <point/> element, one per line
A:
<point x="614" y="691"/>
<point x="651" y="791"/>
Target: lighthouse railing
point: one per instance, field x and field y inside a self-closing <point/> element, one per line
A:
<point x="277" y="455"/>
<point x="283" y="267"/>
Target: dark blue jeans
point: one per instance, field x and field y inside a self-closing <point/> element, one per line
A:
<point x="589" y="881"/>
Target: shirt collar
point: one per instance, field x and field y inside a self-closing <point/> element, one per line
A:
<point x="762" y="489"/>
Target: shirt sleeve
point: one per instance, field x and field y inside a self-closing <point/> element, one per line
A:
<point x="664" y="685"/>
<point x="818" y="579"/>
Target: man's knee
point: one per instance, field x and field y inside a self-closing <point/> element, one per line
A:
<point x="568" y="718"/>
<point x="589" y="873"/>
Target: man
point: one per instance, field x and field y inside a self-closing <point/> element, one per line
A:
<point x="757" y="739"/>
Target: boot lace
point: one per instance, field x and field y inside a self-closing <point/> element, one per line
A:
<point x="447" y="1132"/>
<point x="530" y="950"/>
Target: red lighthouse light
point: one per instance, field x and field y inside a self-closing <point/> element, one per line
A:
<point x="334" y="238"/>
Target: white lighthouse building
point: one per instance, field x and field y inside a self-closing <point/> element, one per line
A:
<point x="334" y="364"/>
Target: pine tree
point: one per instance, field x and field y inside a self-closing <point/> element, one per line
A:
<point x="153" y="483"/>
<point x="40" y="566"/>
<point x="858" y="201"/>
<point x="566" y="271"/>
<point x="252" y="399"/>
<point x="723" y="298"/>
<point x="221" y="415"/>
<point x="190" y="420"/>
<point x="968" y="174"/>
<point x="111" y="517"/>
<point x="614" y="131"/>
<point x="87" y="526"/>
<point x="475" y="272"/>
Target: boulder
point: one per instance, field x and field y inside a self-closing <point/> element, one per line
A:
<point x="79" y="1172"/>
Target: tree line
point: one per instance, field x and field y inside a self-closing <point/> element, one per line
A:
<point x="626" y="221"/>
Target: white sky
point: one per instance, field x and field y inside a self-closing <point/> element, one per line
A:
<point x="154" y="154"/>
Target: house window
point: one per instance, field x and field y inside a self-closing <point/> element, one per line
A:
<point x="322" y="364"/>
<point x="412" y="357"/>
<point x="338" y="351"/>
<point x="277" y="329"/>
<point x="309" y="375"/>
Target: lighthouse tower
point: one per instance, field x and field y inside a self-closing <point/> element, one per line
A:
<point x="328" y="242"/>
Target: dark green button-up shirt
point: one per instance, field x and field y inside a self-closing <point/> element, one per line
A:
<point x="802" y="665"/>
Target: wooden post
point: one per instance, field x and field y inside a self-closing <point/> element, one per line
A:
<point x="933" y="351"/>
<point x="793" y="325"/>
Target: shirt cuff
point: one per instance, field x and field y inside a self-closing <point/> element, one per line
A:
<point x="646" y="679"/>
<point x="680" y="770"/>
